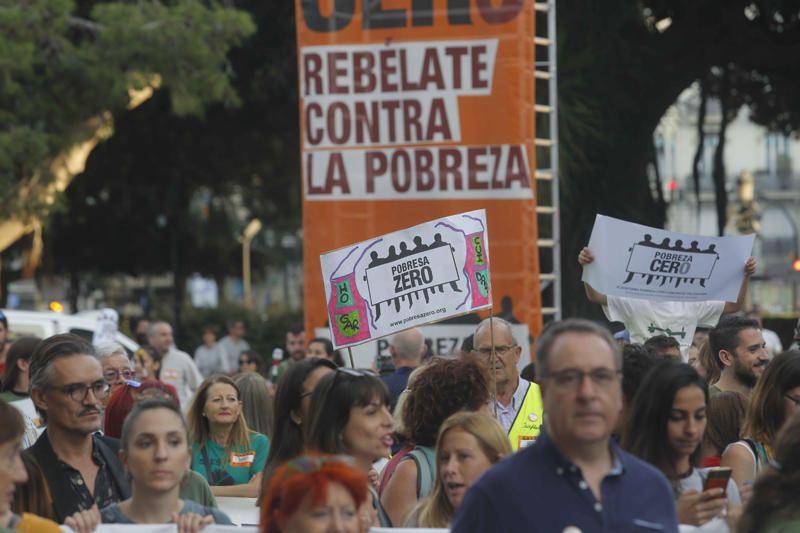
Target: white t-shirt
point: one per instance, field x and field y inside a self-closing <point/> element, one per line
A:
<point x="773" y="342"/>
<point x="178" y="369"/>
<point x="695" y="481"/>
<point x="648" y="318"/>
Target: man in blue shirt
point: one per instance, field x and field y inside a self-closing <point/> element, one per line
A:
<point x="573" y="478"/>
<point x="406" y="349"/>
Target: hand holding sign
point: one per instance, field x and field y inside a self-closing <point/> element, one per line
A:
<point x="637" y="261"/>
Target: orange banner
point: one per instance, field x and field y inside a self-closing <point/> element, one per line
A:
<point x="412" y="110"/>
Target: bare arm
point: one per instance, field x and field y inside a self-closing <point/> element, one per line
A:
<point x="741" y="463"/>
<point x="585" y="257"/>
<point x="400" y="494"/>
<point x="247" y="490"/>
<point x="749" y="270"/>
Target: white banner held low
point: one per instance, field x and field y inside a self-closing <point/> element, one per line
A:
<point x="407" y="278"/>
<point x="638" y="261"/>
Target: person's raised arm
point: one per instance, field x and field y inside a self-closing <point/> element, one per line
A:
<point x="584" y="258"/>
<point x="749" y="270"/>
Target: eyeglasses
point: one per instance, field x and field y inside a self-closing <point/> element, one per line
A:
<point x="571" y="378"/>
<point x="80" y="391"/>
<point x="795" y="400"/>
<point x="245" y="362"/>
<point x="499" y="350"/>
<point x="112" y="375"/>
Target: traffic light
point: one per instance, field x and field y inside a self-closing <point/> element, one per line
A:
<point x="796" y="264"/>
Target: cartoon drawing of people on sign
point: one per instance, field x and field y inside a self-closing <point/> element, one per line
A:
<point x="406" y="278"/>
<point x="674" y="264"/>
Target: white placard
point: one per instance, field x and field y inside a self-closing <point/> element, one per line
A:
<point x="407" y="278"/>
<point x="638" y="261"/>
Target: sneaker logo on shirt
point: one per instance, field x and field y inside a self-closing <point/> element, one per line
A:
<point x="652" y="328"/>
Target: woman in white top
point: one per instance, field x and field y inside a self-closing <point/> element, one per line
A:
<point x="775" y="399"/>
<point x="665" y="428"/>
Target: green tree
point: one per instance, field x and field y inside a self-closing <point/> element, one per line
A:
<point x="64" y="64"/>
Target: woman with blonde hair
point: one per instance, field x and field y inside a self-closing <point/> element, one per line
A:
<point x="224" y="450"/>
<point x="469" y="443"/>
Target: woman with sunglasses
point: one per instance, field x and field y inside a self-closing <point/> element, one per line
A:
<point x="665" y="427"/>
<point x="776" y="397"/>
<point x="292" y="400"/>
<point x="349" y="415"/>
<point x="224" y="450"/>
<point x="250" y="361"/>
<point x="314" y="494"/>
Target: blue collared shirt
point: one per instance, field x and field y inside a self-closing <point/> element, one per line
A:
<point x="538" y="490"/>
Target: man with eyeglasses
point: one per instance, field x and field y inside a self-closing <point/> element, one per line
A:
<point x="117" y="368"/>
<point x="518" y="402"/>
<point x="573" y="477"/>
<point x="81" y="468"/>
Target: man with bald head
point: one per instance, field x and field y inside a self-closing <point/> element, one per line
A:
<point x="518" y="402"/>
<point x="406" y="349"/>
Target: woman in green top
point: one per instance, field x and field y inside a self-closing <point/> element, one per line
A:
<point x="224" y="450"/>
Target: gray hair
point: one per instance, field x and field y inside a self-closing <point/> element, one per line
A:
<point x="551" y="332"/>
<point x="107" y="349"/>
<point x="151" y="327"/>
<point x="495" y="321"/>
<point x="408" y="344"/>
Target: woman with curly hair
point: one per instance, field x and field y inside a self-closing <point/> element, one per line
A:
<point x="774" y="507"/>
<point x="445" y="387"/>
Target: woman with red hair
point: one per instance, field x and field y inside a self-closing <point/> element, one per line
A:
<point x="315" y="494"/>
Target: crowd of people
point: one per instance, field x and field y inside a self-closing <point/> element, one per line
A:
<point x="633" y="433"/>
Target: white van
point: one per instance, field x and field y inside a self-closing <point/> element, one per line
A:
<point x="43" y="324"/>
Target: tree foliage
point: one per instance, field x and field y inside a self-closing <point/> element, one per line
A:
<point x="622" y="63"/>
<point x="63" y="64"/>
<point x="171" y="193"/>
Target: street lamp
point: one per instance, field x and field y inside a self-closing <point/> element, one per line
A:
<point x="250" y="231"/>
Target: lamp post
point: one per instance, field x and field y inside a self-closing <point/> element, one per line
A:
<point x="250" y="231"/>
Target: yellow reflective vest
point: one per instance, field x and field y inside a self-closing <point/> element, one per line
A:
<point x="525" y="427"/>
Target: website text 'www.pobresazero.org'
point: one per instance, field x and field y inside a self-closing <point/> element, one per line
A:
<point x="419" y="316"/>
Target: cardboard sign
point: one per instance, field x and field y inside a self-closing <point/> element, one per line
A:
<point x="410" y="111"/>
<point x="637" y="261"/>
<point x="403" y="279"/>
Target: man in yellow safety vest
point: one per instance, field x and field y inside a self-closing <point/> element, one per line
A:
<point x="519" y="402"/>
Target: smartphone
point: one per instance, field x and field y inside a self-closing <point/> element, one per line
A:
<point x="717" y="478"/>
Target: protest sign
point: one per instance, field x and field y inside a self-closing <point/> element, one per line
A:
<point x="446" y="340"/>
<point x="412" y="111"/>
<point x="638" y="261"/>
<point x="410" y="277"/>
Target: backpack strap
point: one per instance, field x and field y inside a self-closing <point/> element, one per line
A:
<point x="425" y="459"/>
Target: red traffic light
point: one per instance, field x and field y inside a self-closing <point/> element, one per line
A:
<point x="796" y="265"/>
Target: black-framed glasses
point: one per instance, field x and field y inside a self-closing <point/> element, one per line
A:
<point x="245" y="362"/>
<point x="112" y="375"/>
<point x="499" y="350"/>
<point x="571" y="378"/>
<point x="795" y="400"/>
<point x="80" y="391"/>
